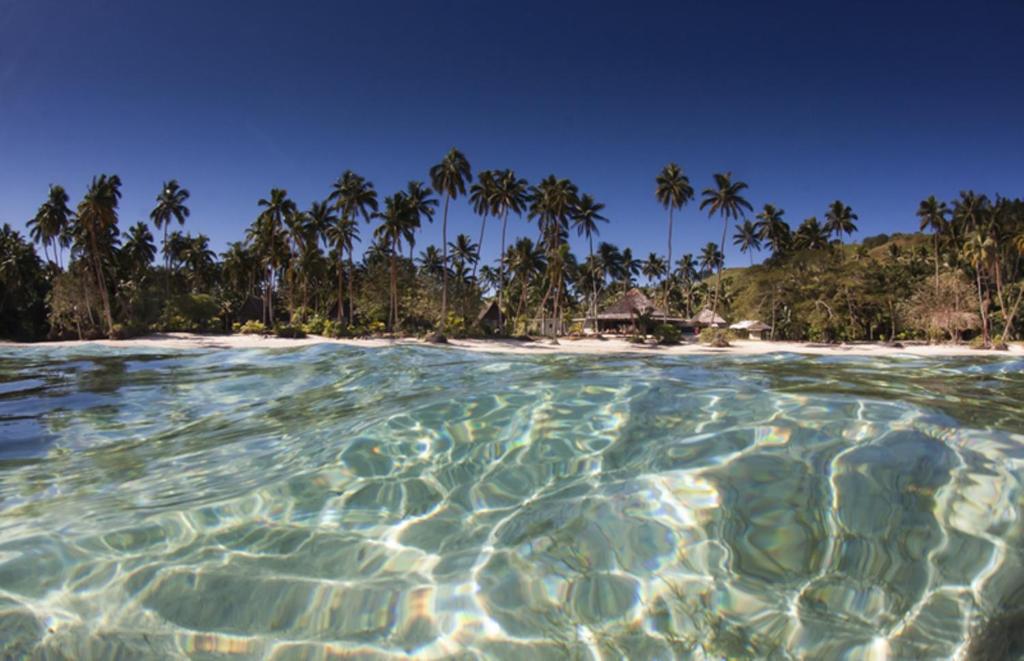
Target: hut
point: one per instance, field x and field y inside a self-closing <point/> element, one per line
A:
<point x="489" y="318"/>
<point x="754" y="329"/>
<point x="708" y="319"/>
<point x="622" y="315"/>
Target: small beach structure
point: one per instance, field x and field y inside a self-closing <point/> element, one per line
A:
<point x="708" y="319"/>
<point x="622" y="315"/>
<point x="489" y="317"/>
<point x="754" y="329"/>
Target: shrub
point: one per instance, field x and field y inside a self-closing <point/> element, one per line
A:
<point x="253" y="327"/>
<point x="715" y="337"/>
<point x="978" y="343"/>
<point x="289" y="331"/>
<point x="667" y="334"/>
<point x="190" y="312"/>
<point x="316" y="325"/>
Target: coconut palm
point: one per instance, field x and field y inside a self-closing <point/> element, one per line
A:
<point x="585" y="217"/>
<point x="430" y="261"/>
<point x="552" y="202"/>
<point x="342" y="235"/>
<point x="198" y="259"/>
<point x="270" y="241"/>
<point x="510" y="195"/>
<point x="97" y="218"/>
<point x="449" y="178"/>
<point x="746" y="238"/>
<point x="673" y="191"/>
<point x="711" y="258"/>
<point x="138" y="250"/>
<point x="772" y="229"/>
<point x="353" y="196"/>
<point x="934" y="215"/>
<point x="421" y="205"/>
<point x="654" y="268"/>
<point x="50" y="225"/>
<point x="725" y="200"/>
<point x="811" y="235"/>
<point x="464" y="251"/>
<point x="629" y="268"/>
<point x="482" y="198"/>
<point x="977" y="250"/>
<point x="170" y="205"/>
<point x="839" y="220"/>
<point x="687" y="274"/>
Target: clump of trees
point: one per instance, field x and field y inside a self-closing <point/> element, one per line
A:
<point x="961" y="275"/>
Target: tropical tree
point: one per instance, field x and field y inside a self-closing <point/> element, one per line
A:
<point x="811" y="235"/>
<point x="449" y="178"/>
<point x="510" y="195"/>
<point x="353" y="197"/>
<point x="97" y="219"/>
<point x="934" y="215"/>
<point x="772" y="229"/>
<point x="268" y="238"/>
<point x="746" y="238"/>
<point x="170" y="205"/>
<point x="839" y="220"/>
<point x="629" y="268"/>
<point x="482" y="196"/>
<point x="138" y="250"/>
<point x="727" y="201"/>
<point x="552" y="202"/>
<point x="654" y="268"/>
<point x="50" y="224"/>
<point x="673" y="191"/>
<point x="585" y="217"/>
<point x="711" y="258"/>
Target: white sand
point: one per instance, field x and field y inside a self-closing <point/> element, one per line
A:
<point x="584" y="346"/>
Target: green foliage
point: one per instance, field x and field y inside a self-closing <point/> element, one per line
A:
<point x="716" y="337"/>
<point x="288" y="331"/>
<point x="253" y="327"/>
<point x="23" y="288"/>
<point x="191" y="313"/>
<point x="316" y="325"/>
<point x="978" y="343"/>
<point x="667" y="334"/>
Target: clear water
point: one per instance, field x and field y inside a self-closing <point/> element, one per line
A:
<point x="326" y="500"/>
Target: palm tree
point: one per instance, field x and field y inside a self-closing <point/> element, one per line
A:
<point x="653" y="267"/>
<point x="839" y="220"/>
<point x="482" y="197"/>
<point x="353" y="196"/>
<point x="97" y="217"/>
<point x="170" y="204"/>
<point x="430" y="261"/>
<point x="449" y="178"/>
<point x="552" y="202"/>
<point x="629" y="268"/>
<point x="686" y="272"/>
<point x="50" y="224"/>
<point x="270" y="242"/>
<point x="138" y="250"/>
<point x="526" y="262"/>
<point x="934" y="215"/>
<point x="977" y="250"/>
<point x="421" y="206"/>
<point x="585" y="218"/>
<point x="510" y="195"/>
<point x="673" y="191"/>
<point x="199" y="260"/>
<point x="772" y="229"/>
<point x="398" y="221"/>
<point x="726" y="201"/>
<point x="746" y="238"/>
<point x="711" y="258"/>
<point x="811" y="235"/>
<point x="463" y="250"/>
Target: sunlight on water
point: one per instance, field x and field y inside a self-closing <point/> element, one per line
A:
<point x="325" y="501"/>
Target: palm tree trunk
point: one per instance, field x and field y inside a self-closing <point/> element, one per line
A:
<point x="444" y="259"/>
<point x="501" y="284"/>
<point x="167" y="268"/>
<point x="341" y="279"/>
<point x="982" y="306"/>
<point x="393" y="314"/>
<point x="721" y="263"/>
<point x="935" y="245"/>
<point x="593" y="283"/>
<point x="351" y="281"/>
<point x="664" y="302"/>
<point x="102" y="283"/>
<point x="480" y="244"/>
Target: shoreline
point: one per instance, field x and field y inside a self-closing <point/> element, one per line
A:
<point x="609" y="346"/>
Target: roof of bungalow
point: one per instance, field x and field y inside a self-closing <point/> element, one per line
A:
<point x="707" y="317"/>
<point x="489" y="311"/>
<point x="632" y="303"/>
<point x="754" y="325"/>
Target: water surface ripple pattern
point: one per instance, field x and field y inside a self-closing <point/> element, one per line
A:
<point x="330" y="500"/>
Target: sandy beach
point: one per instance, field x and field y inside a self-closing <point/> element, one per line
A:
<point x="565" y="345"/>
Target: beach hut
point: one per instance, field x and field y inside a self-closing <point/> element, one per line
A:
<point x="755" y="330"/>
<point x="489" y="317"/>
<point x="708" y="319"/>
<point x="622" y="315"/>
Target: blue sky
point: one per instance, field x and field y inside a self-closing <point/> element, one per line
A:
<point x="877" y="104"/>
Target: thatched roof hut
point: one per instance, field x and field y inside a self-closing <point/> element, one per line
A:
<point x="754" y="328"/>
<point x="490" y="316"/>
<point x="955" y="321"/>
<point x="633" y="303"/>
<point x="709" y="318"/>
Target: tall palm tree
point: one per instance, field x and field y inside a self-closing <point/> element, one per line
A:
<point x="585" y="217"/>
<point x="510" y="195"/>
<point x="464" y="250"/>
<point x="686" y="272"/>
<point x="421" y="205"/>
<point x="747" y="239"/>
<point x="839" y="220"/>
<point x="934" y="215"/>
<point x="772" y="229"/>
<point x="552" y="202"/>
<point x="97" y="216"/>
<point x="170" y="205"/>
<point x="271" y="243"/>
<point x="977" y="250"/>
<point x="725" y="200"/>
<point x="199" y="260"/>
<point x="449" y="178"/>
<point x="395" y="221"/>
<point x="811" y="235"/>
<point x="629" y="268"/>
<point x="50" y="224"/>
<point x="343" y="234"/>
<point x="711" y="258"/>
<point x="673" y="191"/>
<point x="482" y="197"/>
<point x="353" y="196"/>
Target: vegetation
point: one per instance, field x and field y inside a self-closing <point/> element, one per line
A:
<point x="298" y="271"/>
